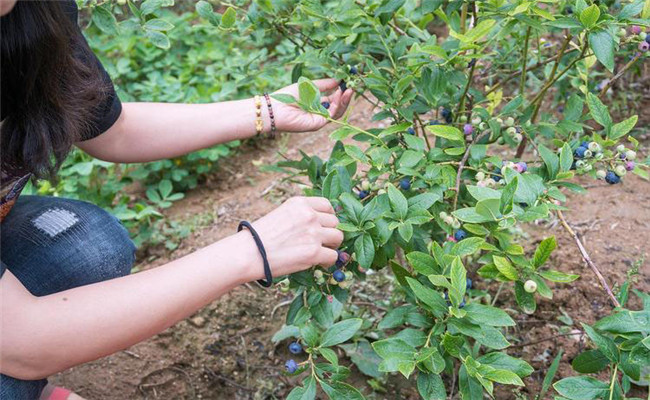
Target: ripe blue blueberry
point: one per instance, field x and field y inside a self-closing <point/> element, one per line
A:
<point x="462" y="304"/>
<point x="353" y="71"/>
<point x="338" y="275"/>
<point x="405" y="184"/>
<point x="460" y="235"/>
<point x="469" y="284"/>
<point x="291" y="366"/>
<point x="363" y="194"/>
<point x="471" y="63"/>
<point x="447" y="115"/>
<point x="326" y="104"/>
<point x="343" y="86"/>
<point x="410" y="131"/>
<point x="612" y="178"/>
<point x="295" y="348"/>
<point x="647" y="39"/>
<point x="580" y="152"/>
<point x="496" y="174"/>
<point x="584" y="144"/>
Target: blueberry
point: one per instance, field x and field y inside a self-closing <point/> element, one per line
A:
<point x="363" y="194"/>
<point x="629" y="166"/>
<point x="353" y="71"/>
<point x="343" y="86"/>
<point x="471" y="63"/>
<point x="622" y="156"/>
<point x="447" y="115"/>
<point x="460" y="235"/>
<point x="496" y="174"/>
<point x="523" y="205"/>
<point x="462" y="304"/>
<point x="580" y="152"/>
<point x="523" y="167"/>
<point x="405" y="184"/>
<point x="584" y="144"/>
<point x="636" y="29"/>
<point x="326" y="104"/>
<point x="468" y="129"/>
<point x="338" y="275"/>
<point x="410" y="131"/>
<point x="342" y="259"/>
<point x="291" y="366"/>
<point x="612" y="178"/>
<point x="568" y="10"/>
<point x="295" y="348"/>
<point x="469" y="284"/>
<point x="647" y="39"/>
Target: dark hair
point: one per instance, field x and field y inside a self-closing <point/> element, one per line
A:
<point x="49" y="93"/>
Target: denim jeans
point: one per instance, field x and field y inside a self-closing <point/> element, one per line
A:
<point x="52" y="244"/>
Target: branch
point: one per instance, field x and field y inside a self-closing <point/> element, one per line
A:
<point x="585" y="256"/>
<point x="545" y="339"/>
<point x="524" y="57"/>
<point x="619" y="74"/>
<point x="461" y="105"/>
<point x="424" y="132"/>
<point x="462" y="165"/>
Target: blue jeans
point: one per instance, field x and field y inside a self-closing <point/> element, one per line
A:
<point x="52" y="244"/>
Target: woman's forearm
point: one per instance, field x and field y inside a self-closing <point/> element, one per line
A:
<point x="44" y="335"/>
<point x="152" y="131"/>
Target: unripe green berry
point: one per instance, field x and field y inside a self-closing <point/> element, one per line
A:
<point x="601" y="173"/>
<point x="500" y="121"/>
<point x="630" y="155"/>
<point x="587" y="167"/>
<point x="463" y="118"/>
<point x="643" y="35"/>
<point x="594" y="147"/>
<point x="345" y="284"/>
<point x="518" y="137"/>
<point x="442" y="215"/>
<point x="476" y="120"/>
<point x="621" y="32"/>
<point x="511" y="131"/>
<point x="455" y="224"/>
<point x="510" y="121"/>
<point x="620" y="148"/>
<point x="588" y="154"/>
<point x="620" y="170"/>
<point x="365" y="184"/>
<point x="598" y="156"/>
<point x="580" y="163"/>
<point x="530" y="286"/>
<point x="318" y="274"/>
<point x="381" y="191"/>
<point x="480" y="176"/>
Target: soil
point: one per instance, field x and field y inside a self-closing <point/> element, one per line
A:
<point x="225" y="351"/>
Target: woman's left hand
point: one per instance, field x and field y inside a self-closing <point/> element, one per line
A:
<point x="290" y="118"/>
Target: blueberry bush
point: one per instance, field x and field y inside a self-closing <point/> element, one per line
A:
<point x="485" y="114"/>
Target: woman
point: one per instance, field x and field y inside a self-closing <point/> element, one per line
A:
<point x="67" y="297"/>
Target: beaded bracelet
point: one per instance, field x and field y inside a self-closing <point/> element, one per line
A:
<point x="271" y="116"/>
<point x="259" y="124"/>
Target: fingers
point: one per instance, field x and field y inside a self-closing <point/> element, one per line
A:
<point x="331" y="237"/>
<point x="327" y="84"/>
<point x="327" y="257"/>
<point x="327" y="220"/>
<point x="320" y="204"/>
<point x="339" y="102"/>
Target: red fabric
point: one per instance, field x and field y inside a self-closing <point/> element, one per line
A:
<point x="60" y="393"/>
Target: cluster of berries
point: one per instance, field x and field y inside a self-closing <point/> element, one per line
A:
<point x="642" y="36"/>
<point x="339" y="277"/>
<point x="449" y="220"/>
<point x="366" y="187"/>
<point x="625" y="162"/>
<point x="343" y="85"/>
<point x="291" y="365"/>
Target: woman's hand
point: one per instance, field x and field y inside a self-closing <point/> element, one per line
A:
<point x="290" y="118"/>
<point x="297" y="235"/>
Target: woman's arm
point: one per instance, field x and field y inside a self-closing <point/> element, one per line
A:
<point x="152" y="131"/>
<point x="44" y="335"/>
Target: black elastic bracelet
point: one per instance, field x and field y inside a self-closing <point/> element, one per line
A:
<point x="267" y="268"/>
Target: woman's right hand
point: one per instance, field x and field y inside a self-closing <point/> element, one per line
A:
<point x="297" y="235"/>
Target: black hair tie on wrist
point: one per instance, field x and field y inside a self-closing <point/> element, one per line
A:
<point x="267" y="268"/>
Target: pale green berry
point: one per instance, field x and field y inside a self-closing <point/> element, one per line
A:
<point x="620" y="148"/>
<point x="476" y="120"/>
<point x="455" y="224"/>
<point x="511" y="131"/>
<point x="502" y="182"/>
<point x="318" y="274"/>
<point x="365" y="185"/>
<point x="530" y="286"/>
<point x="448" y="220"/>
<point x="500" y="121"/>
<point x="601" y="173"/>
<point x="630" y="155"/>
<point x="580" y="163"/>
<point x="518" y="137"/>
<point x="442" y="215"/>
<point x="588" y="154"/>
<point x="381" y="191"/>
<point x="332" y="281"/>
<point x="345" y="284"/>
<point x="320" y="281"/>
<point x="587" y="167"/>
<point x="510" y="121"/>
<point x="500" y="140"/>
<point x="489" y="182"/>
<point x="463" y="118"/>
<point x="349" y="276"/>
<point x="482" y="126"/>
<point x="643" y="35"/>
<point x="480" y="176"/>
<point x="621" y="32"/>
<point x="598" y="156"/>
<point x="620" y="170"/>
<point x="594" y="147"/>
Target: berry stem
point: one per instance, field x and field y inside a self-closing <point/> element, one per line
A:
<point x="524" y="63"/>
<point x="587" y="259"/>
<point x="618" y="75"/>
<point x="611" y="385"/>
<point x="462" y="164"/>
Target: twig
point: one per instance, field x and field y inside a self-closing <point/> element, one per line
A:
<point x="453" y="382"/>
<point x="524" y="62"/>
<point x="461" y="165"/>
<point x="619" y="74"/>
<point x="545" y="339"/>
<point x="461" y="104"/>
<point x="587" y="259"/>
<point x="424" y="132"/>
<point x="226" y="380"/>
<point x="284" y="303"/>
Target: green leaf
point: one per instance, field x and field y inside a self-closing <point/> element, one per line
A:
<point x="489" y="208"/>
<point x="158" y="39"/>
<point x="488" y="315"/>
<point x="506" y="268"/>
<point x="308" y="93"/>
<point x="340" y="332"/>
<point x="397" y="201"/>
<point x="428" y="296"/>
<point x="447" y="132"/>
<point x="308" y="392"/>
<point x="508" y="195"/>
<point x="589" y="362"/>
<point x="105" y="20"/>
<point x="469" y="214"/>
<point x="557" y="276"/>
<point x="504" y="377"/>
<point x="604" y="344"/>
<point x="364" y="250"/>
<point x="431" y="387"/>
<point x="458" y="282"/>
<point x="423" y="201"/>
<point x="468" y="246"/>
<point x="544" y="250"/>
<point x="551" y="160"/>
<point x="364" y="357"/>
<point x="228" y="18"/>
<point x="524" y="299"/>
<point x="158" y="24"/>
<point x="602" y="43"/>
<point x="550" y="375"/>
<point x="341" y="391"/>
<point x="589" y="16"/>
<point x="623" y="128"/>
<point x="423" y="263"/>
<point x="581" y="388"/>
<point x="566" y="158"/>
<point x="499" y="360"/>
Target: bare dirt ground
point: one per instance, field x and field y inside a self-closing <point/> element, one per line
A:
<point x="225" y="352"/>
